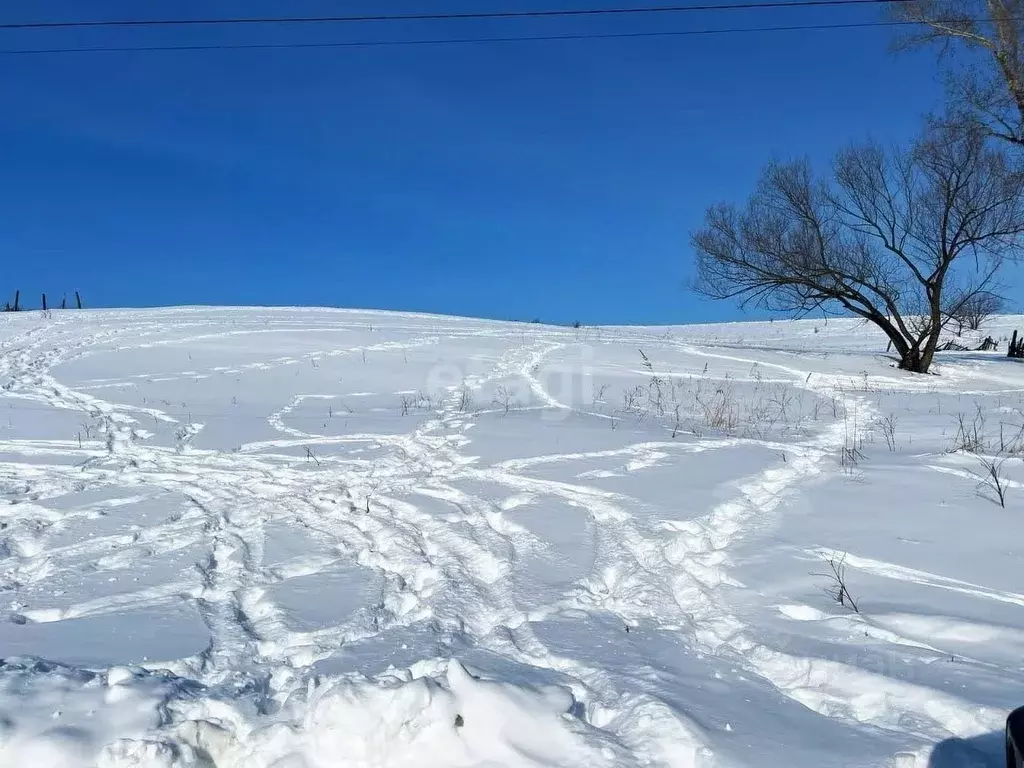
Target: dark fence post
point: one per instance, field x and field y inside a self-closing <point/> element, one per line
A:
<point x="78" y="299"/>
<point x="44" y="302"/>
<point x="17" y="301"/>
<point x="64" y="302"/>
<point x="1016" y="346"/>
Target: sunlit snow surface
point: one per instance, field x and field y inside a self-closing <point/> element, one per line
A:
<point x="312" y="538"/>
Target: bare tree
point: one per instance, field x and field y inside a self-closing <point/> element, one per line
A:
<point x="990" y="89"/>
<point x="976" y="309"/>
<point x="883" y="239"/>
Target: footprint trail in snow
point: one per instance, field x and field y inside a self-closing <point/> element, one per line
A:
<point x="293" y="537"/>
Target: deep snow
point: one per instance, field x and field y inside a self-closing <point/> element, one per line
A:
<point x="310" y="538"/>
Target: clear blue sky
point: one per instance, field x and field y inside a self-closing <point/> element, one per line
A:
<point x="556" y="180"/>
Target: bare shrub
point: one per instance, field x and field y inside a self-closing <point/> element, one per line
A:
<point x="632" y="398"/>
<point x="851" y="454"/>
<point x="970" y="433"/>
<point x="656" y="398"/>
<point x="695" y="403"/>
<point x="816" y="409"/>
<point x="465" y="401"/>
<point x="1011" y="441"/>
<point x="719" y="408"/>
<point x="420" y="401"/>
<point x="992" y="478"/>
<point x="406" y="404"/>
<point x="371" y="492"/>
<point x="849" y="457"/>
<point x="504" y="398"/>
<point x="887" y="426"/>
<point x="836" y="574"/>
<point x="759" y="418"/>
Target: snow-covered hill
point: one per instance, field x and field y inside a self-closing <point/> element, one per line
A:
<point x="311" y="538"/>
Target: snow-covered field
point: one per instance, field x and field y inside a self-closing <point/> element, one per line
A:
<point x="312" y="538"/>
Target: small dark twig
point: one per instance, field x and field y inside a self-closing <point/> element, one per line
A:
<point x="311" y="455"/>
<point x="837" y="589"/>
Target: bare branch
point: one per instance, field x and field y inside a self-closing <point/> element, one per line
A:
<point x="992" y="93"/>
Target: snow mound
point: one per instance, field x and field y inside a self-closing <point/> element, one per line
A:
<point x="55" y="716"/>
<point x="58" y="717"/>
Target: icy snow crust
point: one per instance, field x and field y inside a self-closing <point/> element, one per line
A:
<point x="306" y="538"/>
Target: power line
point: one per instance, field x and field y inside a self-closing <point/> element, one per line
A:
<point x="644" y="10"/>
<point x="455" y="41"/>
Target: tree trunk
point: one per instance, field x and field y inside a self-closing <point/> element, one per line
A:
<point x="899" y="343"/>
<point x="917" y="359"/>
<point x="913" y="361"/>
<point x="890" y="329"/>
<point x="927" y="356"/>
